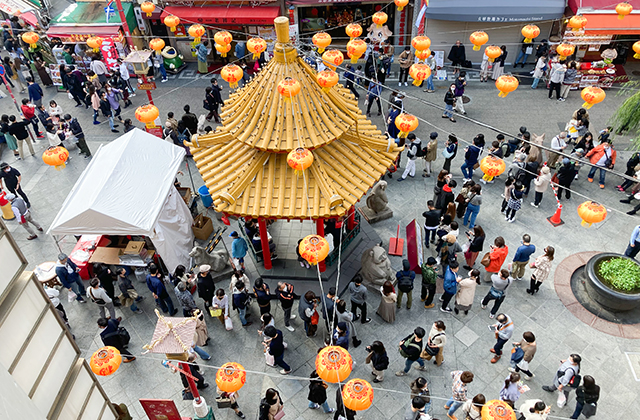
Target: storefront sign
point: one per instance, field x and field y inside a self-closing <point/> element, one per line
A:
<point x="156" y="131"/>
<point x="146" y="86"/>
<point x="82" y="38"/>
<point x="10" y="7"/>
<point x="160" y="409"/>
<point x="54" y="72"/>
<point x="109" y="53"/>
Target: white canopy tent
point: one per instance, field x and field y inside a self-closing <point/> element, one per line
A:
<point x="127" y="189"/>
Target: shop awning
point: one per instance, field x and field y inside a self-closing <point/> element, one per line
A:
<point x="312" y="2"/>
<point x="233" y="15"/>
<point x="609" y="24"/>
<point x="92" y="13"/>
<point x="602" y="18"/>
<point x="69" y="31"/>
<point x="495" y="10"/>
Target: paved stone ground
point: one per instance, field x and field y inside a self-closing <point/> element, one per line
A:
<point x="559" y="332"/>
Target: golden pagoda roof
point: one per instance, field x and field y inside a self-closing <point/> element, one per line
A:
<point x="244" y="162"/>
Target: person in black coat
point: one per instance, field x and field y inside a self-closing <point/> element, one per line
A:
<point x="458" y="56"/>
<point x="106" y="278"/>
<point x="190" y="120"/>
<point x="216" y="92"/>
<point x="447" y="195"/>
<point x="449" y="101"/>
<point x="341" y="410"/>
<point x="566" y="173"/>
<point x="379" y="360"/>
<point x="275" y="343"/>
<point x="206" y="287"/>
<point x="586" y="394"/>
<point x="318" y="393"/>
<point x="111" y="337"/>
<point x="431" y="222"/>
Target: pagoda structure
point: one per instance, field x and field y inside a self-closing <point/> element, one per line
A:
<point x="244" y="162"/>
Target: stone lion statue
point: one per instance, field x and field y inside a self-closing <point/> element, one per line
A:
<point x="376" y="267"/>
<point x="377" y="200"/>
<point x="218" y="260"/>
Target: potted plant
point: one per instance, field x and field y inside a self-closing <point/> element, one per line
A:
<point x="613" y="281"/>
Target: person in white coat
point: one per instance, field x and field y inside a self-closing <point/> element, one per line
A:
<point x="539" y="71"/>
<point x="541" y="185"/>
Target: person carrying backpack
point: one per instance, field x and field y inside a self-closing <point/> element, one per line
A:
<point x="450" y="285"/>
<point x="405" y="279"/>
<point x="566" y="378"/>
<point x="410" y="348"/>
<point x="414" y="152"/>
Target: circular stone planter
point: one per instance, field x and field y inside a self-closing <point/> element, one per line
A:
<point x="604" y="295"/>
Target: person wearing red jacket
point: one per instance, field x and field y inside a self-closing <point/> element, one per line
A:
<point x="29" y="111"/>
<point x="497" y="255"/>
<point x="602" y="156"/>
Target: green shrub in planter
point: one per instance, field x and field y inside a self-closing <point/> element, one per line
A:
<point x="621" y="274"/>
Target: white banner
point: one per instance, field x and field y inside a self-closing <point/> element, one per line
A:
<point x="12" y="6"/>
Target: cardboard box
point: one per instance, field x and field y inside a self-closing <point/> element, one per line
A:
<point x="185" y="193"/>
<point x="134" y="247"/>
<point x="202" y="227"/>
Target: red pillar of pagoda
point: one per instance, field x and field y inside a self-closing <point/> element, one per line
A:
<point x="351" y="218"/>
<point x="320" y="232"/>
<point x="264" y="241"/>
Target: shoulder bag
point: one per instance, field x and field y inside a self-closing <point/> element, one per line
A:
<point x="223" y="401"/>
<point x="589" y="410"/>
<point x="486" y="260"/>
<point x="430" y="349"/>
<point x="279" y="414"/>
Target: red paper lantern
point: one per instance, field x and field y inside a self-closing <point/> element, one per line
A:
<point x="355" y="49"/>
<point x="401" y="4"/>
<point x="288" y="87"/>
<point x="172" y="22"/>
<point x="223" y="49"/>
<point x="492" y="166"/>
<point x="421" y="43"/>
<point x="406" y="123"/>
<point x="529" y="32"/>
<point x="357" y="395"/>
<point x="321" y="40"/>
<point x="257" y="46"/>
<point x="231" y="377"/>
<point x="196" y="31"/>
<point x="327" y="79"/>
<point x="231" y="73"/>
<point x="493" y="52"/>
<point x="353" y="30"/>
<point x="148" y="7"/>
<point x="419" y="72"/>
<point x="506" y="85"/>
<point x="623" y="9"/>
<point x="497" y="410"/>
<point x="334" y="364"/>
<point x="332" y="58"/>
<point x="223" y="38"/>
<point x="56" y="156"/>
<point x="478" y="39"/>
<point x="105" y="361"/>
<point x="299" y="159"/>
<point x="156" y="44"/>
<point x="379" y="18"/>
<point x="314" y="249"/>
<point x="592" y="95"/>
<point x="577" y="22"/>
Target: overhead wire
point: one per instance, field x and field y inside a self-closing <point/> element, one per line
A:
<point x="297" y="378"/>
<point x="485" y="125"/>
<point x="532" y="144"/>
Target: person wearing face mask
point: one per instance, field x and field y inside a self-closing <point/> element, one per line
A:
<point x="114" y="102"/>
<point x="449" y="101"/>
<point x="602" y="156"/>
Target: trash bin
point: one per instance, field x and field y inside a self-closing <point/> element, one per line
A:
<point x="207" y="201"/>
<point x="141" y="274"/>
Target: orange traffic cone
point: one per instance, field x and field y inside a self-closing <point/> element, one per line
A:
<point x="555" y="220"/>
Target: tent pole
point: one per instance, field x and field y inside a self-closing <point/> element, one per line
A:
<point x="193" y="187"/>
<point x="55" y="240"/>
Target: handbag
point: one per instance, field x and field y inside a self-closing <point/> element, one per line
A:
<point x="187" y="395"/>
<point x="486" y="260"/>
<point x="279" y="414"/>
<point x="71" y="296"/>
<point x="589" y="410"/>
<point x="223" y="401"/>
<point x="431" y="350"/>
<point x="517" y="354"/>
<point x="271" y="361"/>
<point x="228" y="324"/>
<point x="562" y="400"/>
<point x="445" y="153"/>
<point x="215" y="312"/>
<point x="477" y="165"/>
<point x="315" y="318"/>
<point x="368" y="359"/>
<point x="528" y="50"/>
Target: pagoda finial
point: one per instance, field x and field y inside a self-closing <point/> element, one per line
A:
<point x="282" y="29"/>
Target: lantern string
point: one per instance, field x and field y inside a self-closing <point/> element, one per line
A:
<point x="503" y="132"/>
<point x="301" y="378"/>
